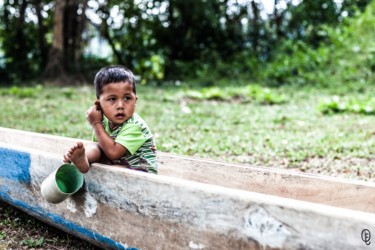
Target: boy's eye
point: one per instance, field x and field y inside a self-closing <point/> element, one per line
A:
<point x="126" y="98"/>
<point x="111" y="99"/>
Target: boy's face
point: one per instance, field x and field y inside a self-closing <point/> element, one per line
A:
<point x="117" y="101"/>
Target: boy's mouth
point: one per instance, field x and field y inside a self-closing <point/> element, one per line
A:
<point x="120" y="115"/>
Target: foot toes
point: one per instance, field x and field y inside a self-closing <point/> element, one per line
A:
<point x="66" y="159"/>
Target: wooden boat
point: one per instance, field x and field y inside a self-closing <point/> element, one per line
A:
<point x="192" y="204"/>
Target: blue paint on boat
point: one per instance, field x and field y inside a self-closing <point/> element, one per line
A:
<point x="15" y="165"/>
<point x="61" y="222"/>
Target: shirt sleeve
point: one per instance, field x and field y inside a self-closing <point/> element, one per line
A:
<point x="131" y="137"/>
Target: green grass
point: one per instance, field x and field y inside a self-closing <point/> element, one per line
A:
<point x="289" y="130"/>
<point x="21" y="231"/>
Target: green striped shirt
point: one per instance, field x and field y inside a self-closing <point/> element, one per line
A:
<point x="136" y="137"/>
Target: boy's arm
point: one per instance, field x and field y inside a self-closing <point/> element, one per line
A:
<point x="111" y="149"/>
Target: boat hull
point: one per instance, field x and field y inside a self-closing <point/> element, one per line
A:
<point x="119" y="208"/>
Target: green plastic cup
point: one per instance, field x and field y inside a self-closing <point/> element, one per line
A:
<point x="62" y="183"/>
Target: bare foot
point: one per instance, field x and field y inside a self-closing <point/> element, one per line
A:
<point x="77" y="156"/>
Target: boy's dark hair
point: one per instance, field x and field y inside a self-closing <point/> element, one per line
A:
<point x="112" y="74"/>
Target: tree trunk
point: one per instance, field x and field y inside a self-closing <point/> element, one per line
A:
<point x="41" y="33"/>
<point x="278" y="18"/>
<point x="255" y="31"/>
<point x="69" y="28"/>
<point x="65" y="55"/>
<point x="55" y="70"/>
<point x="21" y="50"/>
<point x="81" y="25"/>
<point x="74" y="24"/>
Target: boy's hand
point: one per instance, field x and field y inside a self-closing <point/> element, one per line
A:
<point x="94" y="114"/>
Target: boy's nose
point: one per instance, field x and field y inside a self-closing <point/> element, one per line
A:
<point x="120" y="104"/>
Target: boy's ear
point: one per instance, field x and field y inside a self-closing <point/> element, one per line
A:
<point x="97" y="104"/>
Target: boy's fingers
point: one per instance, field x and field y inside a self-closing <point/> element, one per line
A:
<point x="89" y="110"/>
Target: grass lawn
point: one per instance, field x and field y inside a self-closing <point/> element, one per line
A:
<point x="303" y="129"/>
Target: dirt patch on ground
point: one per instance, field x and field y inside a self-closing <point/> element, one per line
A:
<point x="350" y="167"/>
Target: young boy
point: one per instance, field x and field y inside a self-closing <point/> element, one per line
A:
<point x="121" y="136"/>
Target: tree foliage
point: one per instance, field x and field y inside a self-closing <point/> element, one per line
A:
<point x="164" y="39"/>
<point x="345" y="58"/>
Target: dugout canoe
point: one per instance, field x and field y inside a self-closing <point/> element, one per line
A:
<point x="192" y="204"/>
